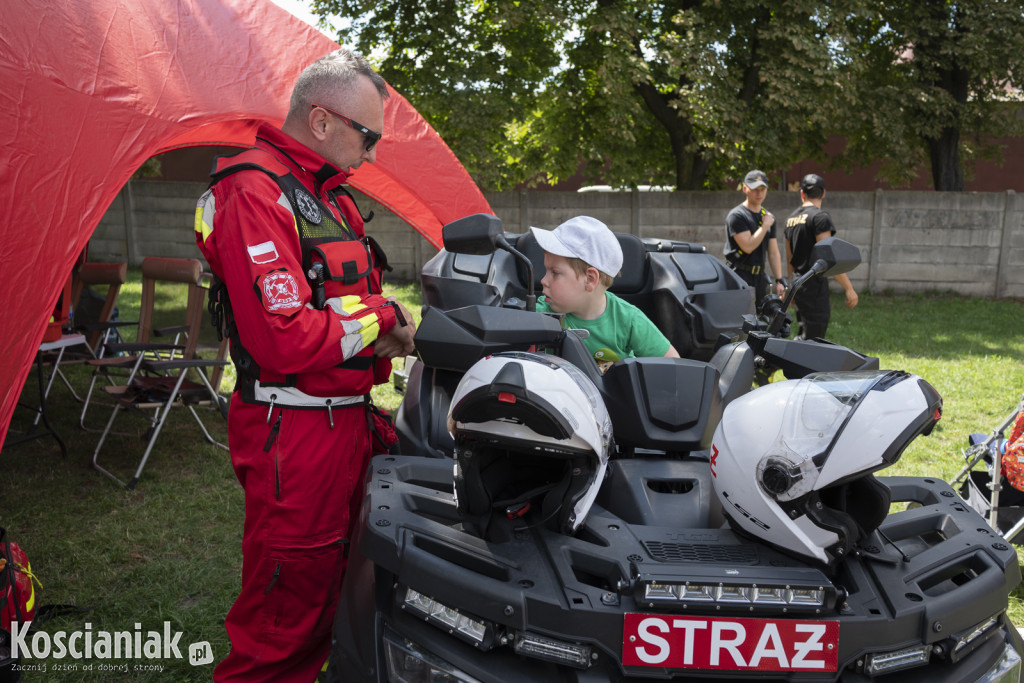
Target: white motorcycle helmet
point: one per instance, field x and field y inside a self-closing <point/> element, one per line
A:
<point x="532" y="441"/>
<point x="792" y="461"/>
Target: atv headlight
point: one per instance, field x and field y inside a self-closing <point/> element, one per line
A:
<point x="749" y="597"/>
<point x="407" y="662"/>
<point x="552" y="649"/>
<point x="966" y="641"/>
<point x="879" y="663"/>
<point x="468" y="628"/>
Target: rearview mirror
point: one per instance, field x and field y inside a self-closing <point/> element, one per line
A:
<point x="475" y="234"/>
<point x="839" y="256"/>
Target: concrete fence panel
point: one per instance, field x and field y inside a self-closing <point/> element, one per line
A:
<point x="971" y="243"/>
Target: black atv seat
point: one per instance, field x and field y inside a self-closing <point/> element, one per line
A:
<point x="632" y="279"/>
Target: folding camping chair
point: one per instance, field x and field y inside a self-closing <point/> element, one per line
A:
<point x="97" y="327"/>
<point x="100" y="330"/>
<point x="982" y="489"/>
<point x="158" y="377"/>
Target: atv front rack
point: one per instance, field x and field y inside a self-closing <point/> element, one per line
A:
<point x="931" y="574"/>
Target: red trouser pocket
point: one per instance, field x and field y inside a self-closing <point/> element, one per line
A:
<point x="302" y="583"/>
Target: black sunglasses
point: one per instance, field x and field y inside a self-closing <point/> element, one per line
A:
<point x="372" y="137"/>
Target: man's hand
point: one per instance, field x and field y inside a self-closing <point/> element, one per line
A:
<point x="399" y="341"/>
<point x="851" y="298"/>
<point x="767" y="222"/>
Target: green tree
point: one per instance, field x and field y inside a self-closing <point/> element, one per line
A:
<point x="684" y="92"/>
<point x="936" y="81"/>
<point x="695" y="92"/>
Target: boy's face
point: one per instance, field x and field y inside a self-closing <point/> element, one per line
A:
<point x="566" y="291"/>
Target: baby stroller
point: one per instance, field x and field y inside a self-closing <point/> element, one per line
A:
<point x="997" y="492"/>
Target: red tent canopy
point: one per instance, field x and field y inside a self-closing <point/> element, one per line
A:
<point x="90" y="89"/>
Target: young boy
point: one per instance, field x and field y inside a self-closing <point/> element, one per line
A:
<point x="581" y="259"/>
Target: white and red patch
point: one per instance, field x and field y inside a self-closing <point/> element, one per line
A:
<point x="280" y="292"/>
<point x="264" y="252"/>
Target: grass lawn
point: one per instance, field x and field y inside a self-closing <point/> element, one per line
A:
<point x="169" y="551"/>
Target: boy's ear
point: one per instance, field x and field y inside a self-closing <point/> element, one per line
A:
<point x="592" y="279"/>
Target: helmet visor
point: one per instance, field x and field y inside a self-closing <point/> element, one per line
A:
<point x="820" y="406"/>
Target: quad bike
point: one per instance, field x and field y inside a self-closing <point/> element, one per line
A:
<point x="547" y="522"/>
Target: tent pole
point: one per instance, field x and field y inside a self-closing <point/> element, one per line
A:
<point x="129" y="225"/>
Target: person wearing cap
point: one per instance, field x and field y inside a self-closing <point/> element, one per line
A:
<point x="581" y="259"/>
<point x="750" y="239"/>
<point x="804" y="227"/>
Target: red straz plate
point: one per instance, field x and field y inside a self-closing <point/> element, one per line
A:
<point x="735" y="644"/>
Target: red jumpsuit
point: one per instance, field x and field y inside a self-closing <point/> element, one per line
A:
<point x="298" y="429"/>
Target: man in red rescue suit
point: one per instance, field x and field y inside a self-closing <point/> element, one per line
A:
<point x="310" y="334"/>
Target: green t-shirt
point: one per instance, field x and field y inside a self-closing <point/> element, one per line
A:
<point x="622" y="331"/>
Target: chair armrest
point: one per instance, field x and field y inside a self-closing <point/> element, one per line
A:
<point x="178" y="364"/>
<point x="169" y="331"/>
<point x="140" y="347"/>
<point x="113" y="362"/>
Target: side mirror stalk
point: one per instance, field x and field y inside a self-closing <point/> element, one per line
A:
<point x="531" y="297"/>
<point x="820" y="266"/>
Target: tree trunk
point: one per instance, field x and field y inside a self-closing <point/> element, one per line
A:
<point x="691" y="170"/>
<point x="947" y="171"/>
<point x="691" y="167"/>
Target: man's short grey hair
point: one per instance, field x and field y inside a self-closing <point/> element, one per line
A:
<point x="333" y="74"/>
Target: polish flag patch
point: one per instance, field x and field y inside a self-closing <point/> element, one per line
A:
<point x="280" y="292"/>
<point x="265" y="252"/>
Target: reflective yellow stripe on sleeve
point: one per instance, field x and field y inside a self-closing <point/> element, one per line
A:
<point x="369" y="327"/>
<point x="204" y="215"/>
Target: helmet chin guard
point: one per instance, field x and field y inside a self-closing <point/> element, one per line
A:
<point x="792" y="461"/>
<point x="532" y="441"/>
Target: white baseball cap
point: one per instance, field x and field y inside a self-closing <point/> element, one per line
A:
<point x="585" y="238"/>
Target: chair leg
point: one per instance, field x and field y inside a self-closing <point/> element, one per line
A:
<point x="218" y="401"/>
<point x="67" y="383"/>
<point x="49" y="383"/>
<point x="206" y="433"/>
<point x="103" y="437"/>
<point x="154" y="432"/>
<point x="118" y="405"/>
<point x="162" y="417"/>
<point x="88" y="397"/>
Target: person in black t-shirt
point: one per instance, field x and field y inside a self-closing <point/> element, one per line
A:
<point x="806" y="226"/>
<point x="750" y="239"/>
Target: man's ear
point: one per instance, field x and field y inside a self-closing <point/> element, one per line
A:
<point x="317" y="122"/>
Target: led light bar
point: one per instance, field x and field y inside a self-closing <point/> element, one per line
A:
<point x="897" y="660"/>
<point x="552" y="650"/>
<point x="968" y="639"/>
<point x="746" y="596"/>
<point x="470" y="629"/>
<point x="408" y="662"/>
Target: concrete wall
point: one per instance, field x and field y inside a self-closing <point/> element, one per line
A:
<point x="971" y="243"/>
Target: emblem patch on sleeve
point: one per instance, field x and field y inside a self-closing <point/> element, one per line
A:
<point x="279" y="292"/>
<point x="262" y="253"/>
